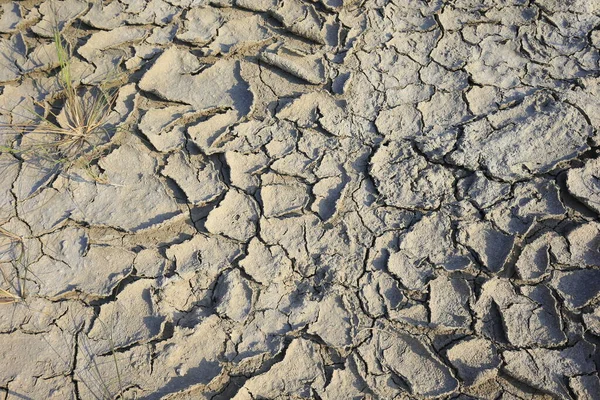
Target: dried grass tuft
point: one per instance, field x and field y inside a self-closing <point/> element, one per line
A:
<point x="72" y="132"/>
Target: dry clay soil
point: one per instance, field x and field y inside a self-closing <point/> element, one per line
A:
<point x="320" y="199"/>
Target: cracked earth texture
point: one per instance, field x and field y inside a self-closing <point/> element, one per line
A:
<point x="325" y="199"/>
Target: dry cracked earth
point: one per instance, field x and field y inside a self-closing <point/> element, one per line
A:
<point x="324" y="199"/>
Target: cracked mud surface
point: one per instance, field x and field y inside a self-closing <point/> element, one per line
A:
<point x="328" y="199"/>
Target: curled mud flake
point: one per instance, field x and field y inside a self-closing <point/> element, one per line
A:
<point x="13" y="53"/>
<point x="10" y="17"/>
<point x="235" y="217"/>
<point x="300" y="373"/>
<point x="56" y="15"/>
<point x="476" y="360"/>
<point x="131" y="319"/>
<point x="30" y="354"/>
<point x="197" y="176"/>
<point x="405" y="178"/>
<point x="584" y="183"/>
<point x="399" y="352"/>
<point x="550" y="366"/>
<point x="524" y="141"/>
<point x="200" y="26"/>
<point x="307" y="67"/>
<point x="109" y="16"/>
<point x="133" y="200"/>
<point x="179" y="76"/>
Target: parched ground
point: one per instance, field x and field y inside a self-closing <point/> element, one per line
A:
<point x="324" y="199"/>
